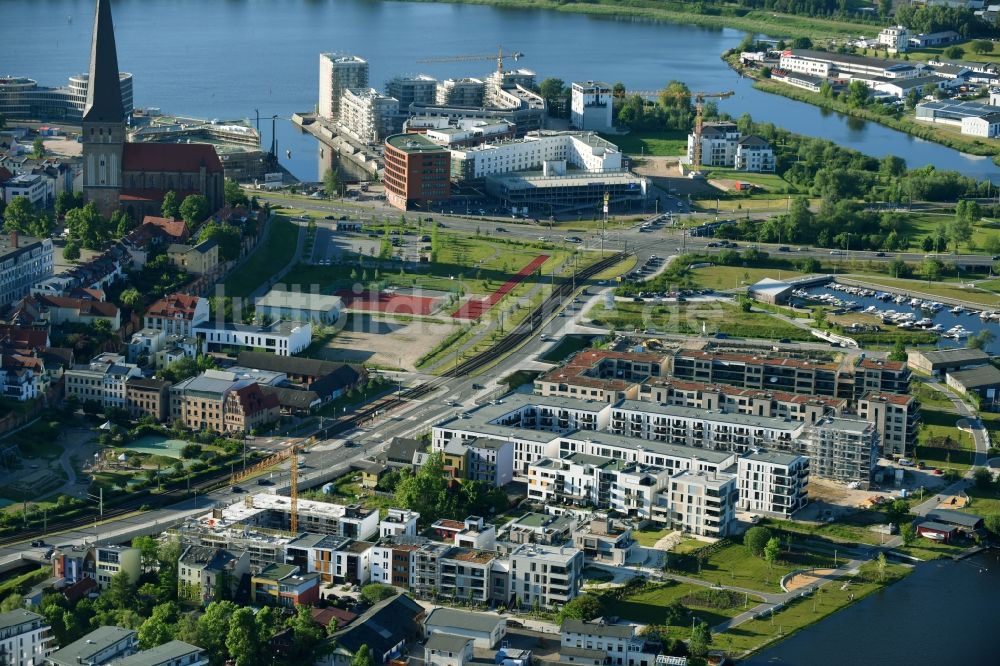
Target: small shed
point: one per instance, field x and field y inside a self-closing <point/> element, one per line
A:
<point x="936" y="531"/>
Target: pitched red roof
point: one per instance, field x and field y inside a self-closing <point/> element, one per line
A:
<point x="173" y="228"/>
<point x="171" y="157"/>
<point x="85" y="307"/>
<point x="30" y="337"/>
<point x="172" y="305"/>
<point x="5" y="174"/>
<point x="324" y="616"/>
<point x="253" y="400"/>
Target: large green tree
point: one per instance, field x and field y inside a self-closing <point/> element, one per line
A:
<point x="213" y="629"/>
<point x="363" y="657"/>
<point x="226" y="235"/>
<point x="195" y="209"/>
<point x="160" y="627"/>
<point x="307" y="638"/>
<point x="756" y="539"/>
<point x="171" y="208"/>
<point x="86" y="225"/>
<point x="243" y="642"/>
<point x="331" y="183"/>
<point x="235" y="196"/>
<point x="24" y="217"/>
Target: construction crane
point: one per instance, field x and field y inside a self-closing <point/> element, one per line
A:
<point x="498" y="56"/>
<point x="699" y="104"/>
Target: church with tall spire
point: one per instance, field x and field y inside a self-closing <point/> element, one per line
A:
<point x="134" y="176"/>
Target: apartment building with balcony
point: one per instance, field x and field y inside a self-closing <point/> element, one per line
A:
<point x="545" y="576"/>
<point x="772" y="483"/>
<point x="336" y="559"/>
<point x="528" y="422"/>
<point x="465" y="575"/>
<point x="540" y="528"/>
<point x="735" y="400"/>
<point x="602" y="375"/>
<point x="285" y="586"/>
<point x="688" y="426"/>
<point x="398" y="522"/>
<point x="896" y="417"/>
<point x="791" y="375"/>
<point x="393" y="560"/>
<point x="607" y="483"/>
<point x="102" y="381"/>
<point x="101" y="646"/>
<point x="881" y="375"/>
<point x="843" y="450"/>
<point x="699" y="503"/>
<point x="25" y="638"/>
<point x="426" y="569"/>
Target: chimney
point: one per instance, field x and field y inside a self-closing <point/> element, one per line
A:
<point x="13" y="239"/>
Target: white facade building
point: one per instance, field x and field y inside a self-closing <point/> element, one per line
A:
<point x="398" y="522"/>
<point x="283" y="338"/>
<point x="895" y="38"/>
<point x="102" y="380"/>
<point x="702" y="504"/>
<point x="772" y="483"/>
<point x="754" y="154"/>
<point x="338" y="73"/>
<point x="24" y="638"/>
<point x="618" y="642"/>
<point x="591" y="106"/>
<point x="23" y="262"/>
<point x="585" y="151"/>
<point x="36" y="188"/>
<point x="718" y="145"/>
<point x="368" y="115"/>
<point x="545" y="575"/>
<point x="420" y="89"/>
<point x="987" y="126"/>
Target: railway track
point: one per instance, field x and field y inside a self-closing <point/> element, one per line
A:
<point x="521" y="333"/>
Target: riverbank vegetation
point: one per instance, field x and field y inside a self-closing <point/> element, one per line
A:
<point x="820" y="19"/>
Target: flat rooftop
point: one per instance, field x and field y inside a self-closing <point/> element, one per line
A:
<point x="414" y="143"/>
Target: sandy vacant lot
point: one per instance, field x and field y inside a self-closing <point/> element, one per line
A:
<point x="385" y="343"/>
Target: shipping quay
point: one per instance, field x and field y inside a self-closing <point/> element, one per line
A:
<point x="362" y="156"/>
<point x="910" y="293"/>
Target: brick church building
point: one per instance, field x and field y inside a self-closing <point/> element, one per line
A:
<point x="135" y="176"/>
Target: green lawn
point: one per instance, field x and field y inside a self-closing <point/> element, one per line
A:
<point x="753" y="635"/>
<point x="647" y="607"/>
<point x="852" y="528"/>
<point x="732" y="277"/>
<point x="925" y="549"/>
<point x="771" y="182"/>
<point x="918" y="225"/>
<point x="735" y="565"/>
<point x="694" y="318"/>
<point x="941" y="444"/>
<point x="669" y="143"/>
<point x="271" y="256"/>
<point x="984" y="502"/>
<point x="648" y="538"/>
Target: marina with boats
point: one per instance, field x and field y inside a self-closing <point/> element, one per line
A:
<point x="952" y="323"/>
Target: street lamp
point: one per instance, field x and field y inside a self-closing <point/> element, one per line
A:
<point x="99" y="498"/>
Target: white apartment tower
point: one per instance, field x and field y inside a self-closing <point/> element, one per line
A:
<point x="337" y="73"/>
<point x="591" y="106"/>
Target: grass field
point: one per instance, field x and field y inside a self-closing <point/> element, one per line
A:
<point x="732" y="277"/>
<point x="751" y="636"/>
<point x="692" y="318"/>
<point x="735" y="565"/>
<point x="665" y="144"/>
<point x="648" y="538"/>
<point x="852" y="528"/>
<point x="984" y="502"/>
<point x="649" y="606"/>
<point x="919" y="225"/>
<point x="925" y="549"/>
<point x="271" y="256"/>
<point x="772" y="183"/>
<point x="946" y="289"/>
<point x="934" y="449"/>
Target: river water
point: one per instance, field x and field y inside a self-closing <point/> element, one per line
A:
<point x="942" y="613"/>
<point x="224" y="58"/>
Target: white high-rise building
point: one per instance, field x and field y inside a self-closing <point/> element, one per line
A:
<point x="368" y="115"/>
<point x="591" y="106"/>
<point x="338" y="73"/>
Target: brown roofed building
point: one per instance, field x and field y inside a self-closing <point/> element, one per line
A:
<point x="249" y="407"/>
<point x="606" y="376"/>
<point x="177" y="314"/>
<point x="63" y="309"/>
<point x="896" y="417"/>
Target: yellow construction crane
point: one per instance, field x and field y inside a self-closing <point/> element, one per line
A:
<point x="498" y="56"/>
<point x="699" y="104"/>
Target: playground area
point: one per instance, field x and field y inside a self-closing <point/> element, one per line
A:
<point x="156" y="445"/>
